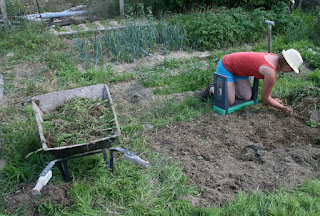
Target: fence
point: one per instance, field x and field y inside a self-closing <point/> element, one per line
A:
<point x="50" y="9"/>
<point x="4" y="13"/>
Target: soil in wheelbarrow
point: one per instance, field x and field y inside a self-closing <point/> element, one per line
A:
<point x="79" y="120"/>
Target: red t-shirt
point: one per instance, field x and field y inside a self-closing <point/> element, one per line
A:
<point x="246" y="63"/>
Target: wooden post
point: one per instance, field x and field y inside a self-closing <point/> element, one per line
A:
<point x="4" y="13"/>
<point x="121" y="4"/>
<point x="300" y="4"/>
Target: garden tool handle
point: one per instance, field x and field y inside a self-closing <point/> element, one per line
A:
<point x="42" y="181"/>
<point x="137" y="160"/>
<point x="270" y="24"/>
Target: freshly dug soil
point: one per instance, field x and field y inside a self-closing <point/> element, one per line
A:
<point x="79" y="120"/>
<point x="255" y="148"/>
<point x="23" y="198"/>
<point x="248" y="150"/>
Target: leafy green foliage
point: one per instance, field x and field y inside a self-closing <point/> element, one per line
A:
<point x="297" y="94"/>
<point x="315" y="77"/>
<point x="159" y="7"/>
<point x="294" y="88"/>
<point x="303" y="25"/>
<point x="224" y="28"/>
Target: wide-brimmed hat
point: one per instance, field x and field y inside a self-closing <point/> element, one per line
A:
<point x="293" y="59"/>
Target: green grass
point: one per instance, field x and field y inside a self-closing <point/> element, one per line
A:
<point x="27" y="41"/>
<point x="175" y="76"/>
<point x="304" y="200"/>
<point x="21" y="137"/>
<point x="132" y="190"/>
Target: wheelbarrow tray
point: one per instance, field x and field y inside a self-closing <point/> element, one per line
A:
<point x="43" y="104"/>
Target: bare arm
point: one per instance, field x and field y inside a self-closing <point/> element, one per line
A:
<point x="266" y="93"/>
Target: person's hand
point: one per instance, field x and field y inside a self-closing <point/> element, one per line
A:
<point x="287" y="110"/>
<point x="278" y="100"/>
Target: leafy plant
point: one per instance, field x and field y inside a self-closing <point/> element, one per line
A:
<point x="297" y="94"/>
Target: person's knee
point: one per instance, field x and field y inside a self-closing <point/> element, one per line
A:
<point x="246" y="96"/>
<point x="231" y="101"/>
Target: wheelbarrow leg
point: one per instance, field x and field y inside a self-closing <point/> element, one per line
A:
<point x="63" y="170"/>
<point x="105" y="156"/>
<point x="111" y="160"/>
<point x="65" y="166"/>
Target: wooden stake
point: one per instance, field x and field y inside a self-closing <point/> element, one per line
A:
<point x="4" y="13"/>
<point x="121" y="5"/>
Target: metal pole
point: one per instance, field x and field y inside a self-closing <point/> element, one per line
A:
<point x="121" y="5"/>
<point x="39" y="9"/>
<point x="4" y="13"/>
<point x="270" y="24"/>
<point x="269" y="38"/>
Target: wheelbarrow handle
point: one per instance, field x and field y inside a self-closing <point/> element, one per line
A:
<point x="137" y="160"/>
<point x="42" y="181"/>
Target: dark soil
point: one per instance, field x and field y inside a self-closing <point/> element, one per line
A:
<point x="23" y="199"/>
<point x="255" y="148"/>
<point x="247" y="150"/>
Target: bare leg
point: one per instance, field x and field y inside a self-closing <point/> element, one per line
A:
<point x="231" y="92"/>
<point x="243" y="89"/>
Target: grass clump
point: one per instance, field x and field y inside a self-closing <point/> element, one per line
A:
<point x="304" y="200"/>
<point x="77" y="121"/>
<point x="176" y="76"/>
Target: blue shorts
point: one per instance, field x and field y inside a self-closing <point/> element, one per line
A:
<point x="231" y="78"/>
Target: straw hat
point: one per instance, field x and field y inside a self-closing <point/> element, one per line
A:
<point x="293" y="59"/>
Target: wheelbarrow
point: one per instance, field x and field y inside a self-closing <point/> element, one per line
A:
<point x="46" y="103"/>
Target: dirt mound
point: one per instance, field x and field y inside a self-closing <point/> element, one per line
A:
<point x="254" y="148"/>
<point x="56" y="194"/>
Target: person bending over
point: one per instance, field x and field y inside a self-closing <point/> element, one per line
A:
<point x="238" y="67"/>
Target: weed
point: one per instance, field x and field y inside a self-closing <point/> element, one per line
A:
<point x="297" y="94"/>
<point x="79" y="120"/>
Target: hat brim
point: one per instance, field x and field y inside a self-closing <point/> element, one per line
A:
<point x="296" y="70"/>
